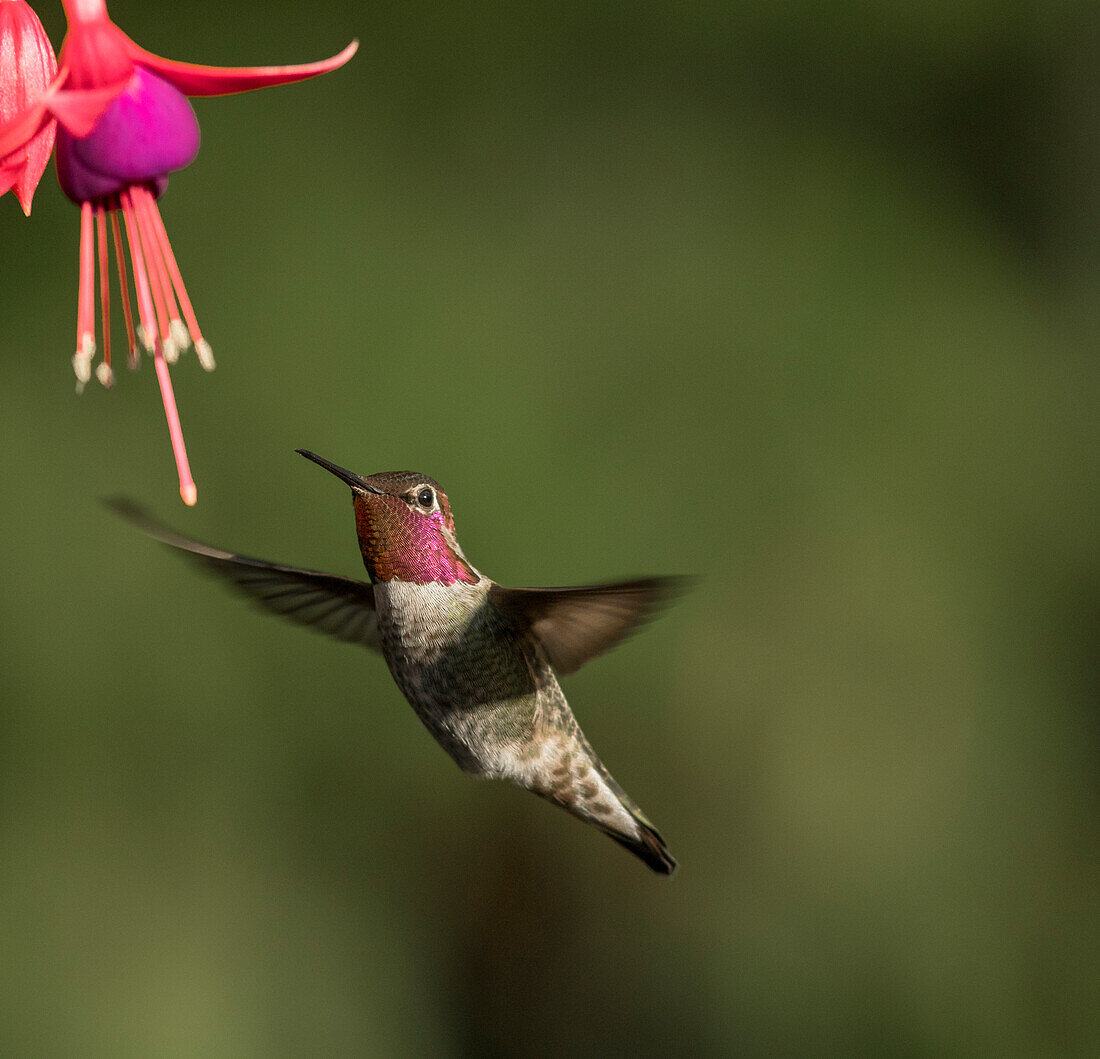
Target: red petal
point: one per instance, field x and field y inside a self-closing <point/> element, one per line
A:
<point x="27" y="67"/>
<point x="19" y="131"/>
<point x="79" y="109"/>
<point x="8" y="176"/>
<point x="194" y="80"/>
<point x="27" y="63"/>
<point x="37" y="152"/>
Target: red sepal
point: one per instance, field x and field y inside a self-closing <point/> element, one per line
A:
<point x="195" y="80"/>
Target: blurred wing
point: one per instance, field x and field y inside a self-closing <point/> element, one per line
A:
<point x="576" y="624"/>
<point x="339" y="606"/>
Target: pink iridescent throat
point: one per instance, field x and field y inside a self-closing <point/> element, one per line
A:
<point x="403" y="544"/>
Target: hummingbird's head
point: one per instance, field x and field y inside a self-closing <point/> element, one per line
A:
<point x="405" y="527"/>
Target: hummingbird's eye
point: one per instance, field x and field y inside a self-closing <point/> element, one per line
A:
<point x="425" y="498"/>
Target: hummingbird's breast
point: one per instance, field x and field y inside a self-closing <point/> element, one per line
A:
<point x="489" y="697"/>
<point x="457" y="659"/>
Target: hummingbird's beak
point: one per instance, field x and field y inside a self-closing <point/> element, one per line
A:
<point x="354" y="480"/>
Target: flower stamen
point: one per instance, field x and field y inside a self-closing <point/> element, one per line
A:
<point x="202" y="347"/>
<point x="162" y="286"/>
<point x="125" y="288"/>
<point x="156" y="277"/>
<point x="147" y="313"/>
<point x="103" y="370"/>
<point x="147" y="328"/>
<point x="85" y="314"/>
<point x="155" y="240"/>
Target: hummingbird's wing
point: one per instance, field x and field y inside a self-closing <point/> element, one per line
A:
<point x="339" y="606"/>
<point x="577" y="624"/>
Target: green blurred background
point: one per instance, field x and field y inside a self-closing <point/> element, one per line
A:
<point x="798" y="298"/>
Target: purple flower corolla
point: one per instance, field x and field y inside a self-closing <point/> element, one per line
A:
<point x="149" y="131"/>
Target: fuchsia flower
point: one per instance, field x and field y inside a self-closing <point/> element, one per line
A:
<point x="28" y="64"/>
<point x="125" y="124"/>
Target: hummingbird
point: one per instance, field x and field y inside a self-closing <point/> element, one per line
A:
<point x="477" y="661"/>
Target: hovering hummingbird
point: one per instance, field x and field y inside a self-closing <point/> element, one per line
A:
<point x="476" y="661"/>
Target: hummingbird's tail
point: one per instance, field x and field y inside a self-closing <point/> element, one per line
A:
<point x="639" y="836"/>
<point x="577" y="780"/>
<point x="648" y="845"/>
